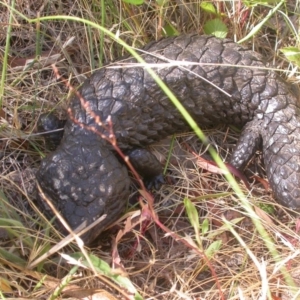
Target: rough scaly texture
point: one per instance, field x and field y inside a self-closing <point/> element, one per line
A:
<point x="85" y="179"/>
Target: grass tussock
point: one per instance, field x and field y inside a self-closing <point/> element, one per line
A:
<point x="203" y="244"/>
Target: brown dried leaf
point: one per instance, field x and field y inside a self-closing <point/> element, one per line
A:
<point x="5" y="286"/>
<point x="46" y="58"/>
<point x="263" y="215"/>
<point x="89" y="294"/>
<point x="209" y="165"/>
<point x="297" y="225"/>
<point x="132" y="220"/>
<point x="264" y="182"/>
<point x="2" y="113"/>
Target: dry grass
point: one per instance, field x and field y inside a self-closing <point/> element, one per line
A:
<point x="161" y="267"/>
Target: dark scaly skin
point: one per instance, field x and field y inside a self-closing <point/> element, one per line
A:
<point x="52" y="127"/>
<point x="83" y="177"/>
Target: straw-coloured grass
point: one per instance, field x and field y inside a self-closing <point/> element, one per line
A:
<point x="199" y="255"/>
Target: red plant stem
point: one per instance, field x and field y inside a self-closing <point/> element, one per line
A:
<point x="111" y="138"/>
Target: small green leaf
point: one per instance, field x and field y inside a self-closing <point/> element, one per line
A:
<point x="103" y="268"/>
<point x="9" y="256"/>
<point x="192" y="214"/>
<point x="205" y="226"/>
<point x="213" y="248"/>
<point x="194" y="218"/>
<point x="258" y="26"/>
<point x="208" y="7"/>
<point x="253" y="3"/>
<point x="170" y="30"/>
<point x="216" y="27"/>
<point x="267" y="208"/>
<point x="134" y="2"/>
<point x="15" y="228"/>
<point x="6" y="211"/>
<point x="292" y="54"/>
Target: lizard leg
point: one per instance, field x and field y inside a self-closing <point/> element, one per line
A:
<point x="147" y="165"/>
<point x="250" y="140"/>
